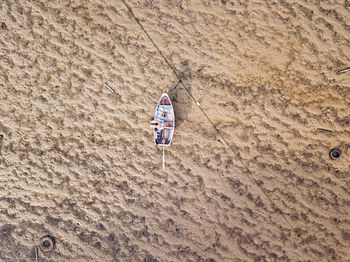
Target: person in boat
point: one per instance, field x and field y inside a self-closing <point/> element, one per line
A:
<point x="158" y="124"/>
<point x="155" y="124"/>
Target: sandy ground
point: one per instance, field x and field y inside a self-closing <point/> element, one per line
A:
<point x="248" y="175"/>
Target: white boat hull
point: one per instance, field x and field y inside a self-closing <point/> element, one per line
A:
<point x="164" y="122"/>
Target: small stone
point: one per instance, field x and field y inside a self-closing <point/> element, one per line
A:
<point x="3" y="26"/>
<point x="101" y="226"/>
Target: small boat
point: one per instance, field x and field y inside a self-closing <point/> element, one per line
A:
<point x="164" y="123"/>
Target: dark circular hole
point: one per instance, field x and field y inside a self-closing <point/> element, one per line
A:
<point x="47" y="243"/>
<point x="335" y="153"/>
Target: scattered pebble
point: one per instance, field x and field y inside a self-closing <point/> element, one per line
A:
<point x="98" y="244"/>
<point x="3" y="26"/>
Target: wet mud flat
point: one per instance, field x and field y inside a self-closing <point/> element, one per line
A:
<point x="259" y="103"/>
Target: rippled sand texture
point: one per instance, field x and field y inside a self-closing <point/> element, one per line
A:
<point x="248" y="175"/>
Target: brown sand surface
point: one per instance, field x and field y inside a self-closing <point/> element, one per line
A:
<point x="248" y="176"/>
